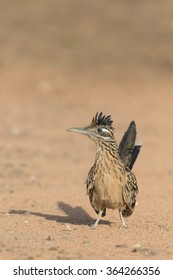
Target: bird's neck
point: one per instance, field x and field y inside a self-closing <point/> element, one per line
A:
<point x="108" y="152"/>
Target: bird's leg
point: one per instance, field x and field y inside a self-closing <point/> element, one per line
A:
<point x="98" y="218"/>
<point x="122" y="220"/>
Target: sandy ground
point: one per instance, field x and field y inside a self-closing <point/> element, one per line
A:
<point x="56" y="73"/>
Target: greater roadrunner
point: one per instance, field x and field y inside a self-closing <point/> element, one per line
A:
<point x="110" y="182"/>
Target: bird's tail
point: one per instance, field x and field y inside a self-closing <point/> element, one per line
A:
<point x="128" y="150"/>
<point x="135" y="154"/>
<point x="127" y="211"/>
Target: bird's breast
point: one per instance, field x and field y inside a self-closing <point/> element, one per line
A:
<point x="107" y="189"/>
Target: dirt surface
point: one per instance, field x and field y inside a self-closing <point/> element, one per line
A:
<point x="60" y="63"/>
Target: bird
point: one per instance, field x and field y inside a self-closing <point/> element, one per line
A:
<point x="110" y="183"/>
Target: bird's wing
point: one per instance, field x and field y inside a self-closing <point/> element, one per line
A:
<point x="127" y="144"/>
<point x="130" y="191"/>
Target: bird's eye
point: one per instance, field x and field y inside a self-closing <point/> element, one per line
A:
<point x="103" y="131"/>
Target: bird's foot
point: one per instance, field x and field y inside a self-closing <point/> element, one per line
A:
<point x="94" y="226"/>
<point x="98" y="219"/>
<point x="123" y="225"/>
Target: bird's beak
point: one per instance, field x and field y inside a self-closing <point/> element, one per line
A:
<point x="78" y="130"/>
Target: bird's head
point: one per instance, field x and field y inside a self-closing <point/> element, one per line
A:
<point x="100" y="128"/>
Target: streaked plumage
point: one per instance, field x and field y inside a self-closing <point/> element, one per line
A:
<point x="110" y="182"/>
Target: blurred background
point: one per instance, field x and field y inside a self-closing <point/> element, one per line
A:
<point x="110" y="41"/>
<point x="62" y="61"/>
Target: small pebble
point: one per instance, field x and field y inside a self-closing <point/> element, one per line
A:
<point x="137" y="248"/>
<point x="68" y="227"/>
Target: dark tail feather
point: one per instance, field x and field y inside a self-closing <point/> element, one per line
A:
<point x="127" y="144"/>
<point x="135" y="154"/>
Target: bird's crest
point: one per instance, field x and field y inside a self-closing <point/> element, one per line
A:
<point x="101" y="120"/>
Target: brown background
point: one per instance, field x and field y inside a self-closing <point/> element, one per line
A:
<point x="60" y="63"/>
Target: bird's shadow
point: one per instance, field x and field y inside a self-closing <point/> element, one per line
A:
<point x="73" y="215"/>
